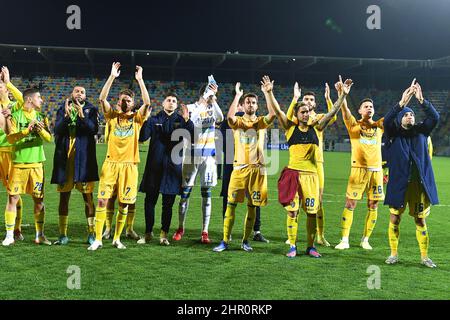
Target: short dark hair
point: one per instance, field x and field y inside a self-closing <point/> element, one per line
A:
<point x="170" y="94"/>
<point x="298" y="105"/>
<point x="127" y="92"/>
<point x="250" y="95"/>
<point x="241" y="101"/>
<point x="365" y="100"/>
<point x="309" y="93"/>
<point x="29" y="92"/>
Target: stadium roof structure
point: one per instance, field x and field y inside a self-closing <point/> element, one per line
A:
<point x="168" y="65"/>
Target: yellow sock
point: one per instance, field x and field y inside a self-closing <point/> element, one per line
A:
<point x="39" y="218"/>
<point x="346" y="223"/>
<point x="394" y="236"/>
<point x="249" y="222"/>
<point x="63" y="224"/>
<point x="228" y="221"/>
<point x="423" y="240"/>
<point x="120" y="222"/>
<point x="320" y="221"/>
<point x="130" y="219"/>
<point x="292" y="228"/>
<point x="100" y="216"/>
<point x="91" y="224"/>
<point x="18" y="215"/>
<point x="10" y="218"/>
<point x="109" y="218"/>
<point x="371" y="220"/>
<point x="311" y="229"/>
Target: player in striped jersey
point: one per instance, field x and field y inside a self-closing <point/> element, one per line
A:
<point x="199" y="158"/>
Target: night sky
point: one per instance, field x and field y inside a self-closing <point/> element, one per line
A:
<point x="413" y="29"/>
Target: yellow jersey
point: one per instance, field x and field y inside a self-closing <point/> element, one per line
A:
<point x="303" y="147"/>
<point x="123" y="140"/>
<point x="365" y="139"/>
<point x="314" y="118"/>
<point x="249" y="136"/>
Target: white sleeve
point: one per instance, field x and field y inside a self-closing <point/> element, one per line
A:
<point x="217" y="112"/>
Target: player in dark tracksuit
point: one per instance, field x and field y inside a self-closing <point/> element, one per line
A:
<point x="162" y="171"/>
<point x="226" y="175"/>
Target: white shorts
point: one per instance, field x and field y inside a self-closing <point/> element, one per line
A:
<point x="206" y="167"/>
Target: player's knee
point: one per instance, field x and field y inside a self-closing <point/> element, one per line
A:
<point x="206" y="192"/>
<point x="103" y="202"/>
<point x="292" y="214"/>
<point x="13" y="199"/>
<point x="38" y="205"/>
<point x="395" y="219"/>
<point x="420" y="222"/>
<point x="350" y="204"/>
<point x="88" y="198"/>
<point x="372" y="204"/>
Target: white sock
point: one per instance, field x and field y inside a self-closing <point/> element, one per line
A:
<point x="345" y="239"/>
<point x="182" y="211"/>
<point x="365" y="239"/>
<point x="206" y="209"/>
<point x="10" y="234"/>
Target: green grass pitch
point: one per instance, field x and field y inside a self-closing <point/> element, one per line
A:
<point x="190" y="270"/>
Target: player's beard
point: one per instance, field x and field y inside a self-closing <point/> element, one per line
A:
<point x="79" y="100"/>
<point x="123" y="107"/>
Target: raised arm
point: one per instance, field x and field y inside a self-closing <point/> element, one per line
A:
<point x="343" y="91"/>
<point x="14" y="91"/>
<point x="329" y="103"/>
<point x="346" y="113"/>
<point x="231" y="116"/>
<point x="432" y="116"/>
<point x="297" y="94"/>
<point x="266" y="88"/>
<point x="115" y="72"/>
<point x="272" y="103"/>
<point x="143" y="110"/>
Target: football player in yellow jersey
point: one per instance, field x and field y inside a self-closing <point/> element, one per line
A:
<point x="249" y="177"/>
<point x="310" y="99"/>
<point x="7" y="107"/>
<point x="299" y="182"/>
<point x="27" y="129"/>
<point x="120" y="169"/>
<point x="366" y="174"/>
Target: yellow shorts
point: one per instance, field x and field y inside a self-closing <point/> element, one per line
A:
<point x="26" y="181"/>
<point x="308" y="192"/>
<point x="122" y="177"/>
<point x="321" y="174"/>
<point x="364" y="181"/>
<point x="5" y="166"/>
<point x="83" y="187"/>
<point x="250" y="181"/>
<point x="417" y="200"/>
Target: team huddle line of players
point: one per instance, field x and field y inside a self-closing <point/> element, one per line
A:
<point x="172" y="171"/>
